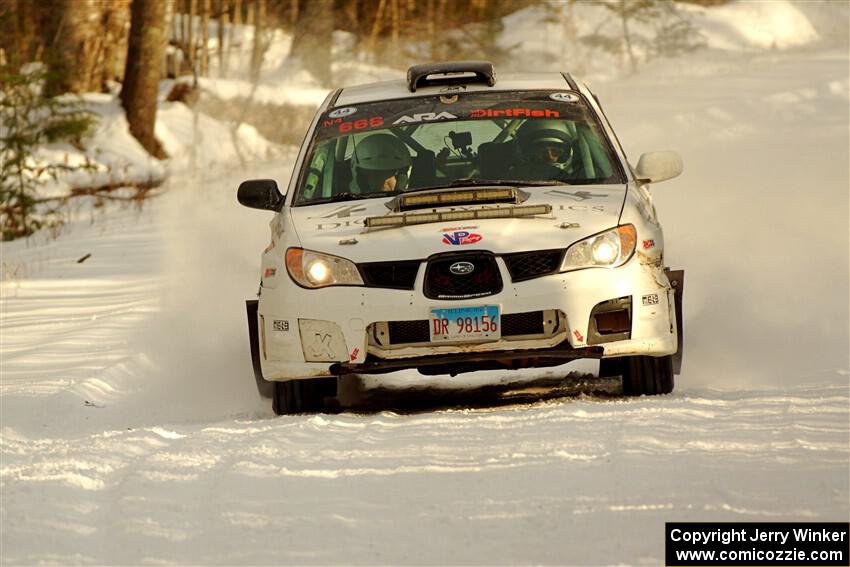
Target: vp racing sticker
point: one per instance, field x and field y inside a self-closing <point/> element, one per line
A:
<point x="461" y="238"/>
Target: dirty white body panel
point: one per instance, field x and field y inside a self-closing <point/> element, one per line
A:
<point x="303" y="330"/>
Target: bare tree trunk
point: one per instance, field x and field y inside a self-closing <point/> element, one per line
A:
<point x="377" y="24"/>
<point x="237" y="12"/>
<point x="184" y="29"/>
<point x="438" y="47"/>
<point x="73" y="59"/>
<point x="293" y="13"/>
<point x="311" y="42"/>
<point x="141" y="76"/>
<point x="260" y="46"/>
<point x="222" y="22"/>
<point x="396" y="20"/>
<point x="237" y="22"/>
<point x="431" y="28"/>
<point x="205" y="37"/>
<point x="190" y="38"/>
<point x="24" y="30"/>
<point x="250" y="8"/>
<point x="115" y="33"/>
<point x="625" y="14"/>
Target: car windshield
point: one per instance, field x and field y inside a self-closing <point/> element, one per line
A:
<point x="523" y="138"/>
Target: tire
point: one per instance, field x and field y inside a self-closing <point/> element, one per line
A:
<point x="264" y="387"/>
<point x="642" y="375"/>
<point x="303" y="396"/>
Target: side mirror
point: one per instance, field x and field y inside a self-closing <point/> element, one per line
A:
<point x="653" y="167"/>
<point x="260" y="194"/>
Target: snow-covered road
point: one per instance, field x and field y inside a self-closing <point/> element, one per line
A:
<point x="131" y="431"/>
<point x="569" y="481"/>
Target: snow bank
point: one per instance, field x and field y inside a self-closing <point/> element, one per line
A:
<point x="552" y="35"/>
<point x="773" y="24"/>
<point x="209" y="143"/>
<point x="118" y="158"/>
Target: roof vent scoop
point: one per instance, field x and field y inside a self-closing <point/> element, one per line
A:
<point x="451" y="73"/>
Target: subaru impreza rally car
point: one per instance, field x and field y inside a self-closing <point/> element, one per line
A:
<point x="454" y="222"/>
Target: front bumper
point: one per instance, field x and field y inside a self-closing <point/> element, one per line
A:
<point x="310" y="333"/>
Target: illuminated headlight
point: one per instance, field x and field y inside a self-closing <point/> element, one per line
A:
<point x="313" y="269"/>
<point x="608" y="249"/>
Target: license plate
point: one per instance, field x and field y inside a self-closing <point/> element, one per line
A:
<point x="454" y="324"/>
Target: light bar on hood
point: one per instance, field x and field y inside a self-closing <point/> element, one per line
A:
<point x="443" y="198"/>
<point x="423" y="218"/>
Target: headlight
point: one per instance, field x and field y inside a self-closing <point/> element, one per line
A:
<point x="607" y="249"/>
<point x="313" y="269"/>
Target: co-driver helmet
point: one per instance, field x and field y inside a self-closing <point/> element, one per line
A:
<point x="378" y="157"/>
<point x="544" y="141"/>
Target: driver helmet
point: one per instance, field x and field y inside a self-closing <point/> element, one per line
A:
<point x="545" y="141"/>
<point x="380" y="162"/>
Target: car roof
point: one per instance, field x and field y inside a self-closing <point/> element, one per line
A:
<point x="398" y="89"/>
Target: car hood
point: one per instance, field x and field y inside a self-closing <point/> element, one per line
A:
<point x="577" y="212"/>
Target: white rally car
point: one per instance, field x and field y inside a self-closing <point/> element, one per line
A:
<point x="454" y="222"/>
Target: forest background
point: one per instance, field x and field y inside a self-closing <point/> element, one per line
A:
<point x="51" y="51"/>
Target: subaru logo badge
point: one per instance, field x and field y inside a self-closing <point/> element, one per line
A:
<point x="462" y="268"/>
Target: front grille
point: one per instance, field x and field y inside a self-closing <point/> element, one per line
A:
<point x="513" y="324"/>
<point x="528" y="265"/>
<point x="402" y="332"/>
<point x="530" y="323"/>
<point x="481" y="280"/>
<point x="393" y="275"/>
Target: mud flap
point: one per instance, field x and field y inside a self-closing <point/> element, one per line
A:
<point x="677" y="280"/>
<point x="264" y="388"/>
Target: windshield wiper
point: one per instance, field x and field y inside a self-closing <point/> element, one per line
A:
<point x="473" y="182"/>
<point x="347" y="196"/>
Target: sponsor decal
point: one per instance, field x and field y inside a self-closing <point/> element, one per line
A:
<point x="578" y="336"/>
<point x="462" y="268"/>
<point x="342" y="112"/>
<point x="322" y="345"/>
<point x="351" y="125"/>
<point x="651" y="299"/>
<point x="576" y="195"/>
<point x="425" y="117"/>
<point x="342" y="212"/>
<point x="270" y="272"/>
<point x="460" y="238"/>
<point x="594" y="208"/>
<point x="453" y="228"/>
<point x="336" y="225"/>
<point x="650" y="243"/>
<point x="361" y="124"/>
<point x="354" y="353"/>
<point x="450" y="93"/>
<point x="564" y="97"/>
<point x="513" y="113"/>
<point x="282" y="326"/>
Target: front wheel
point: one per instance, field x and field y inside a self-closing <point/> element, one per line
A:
<point x="303" y="396"/>
<point x="642" y="375"/>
